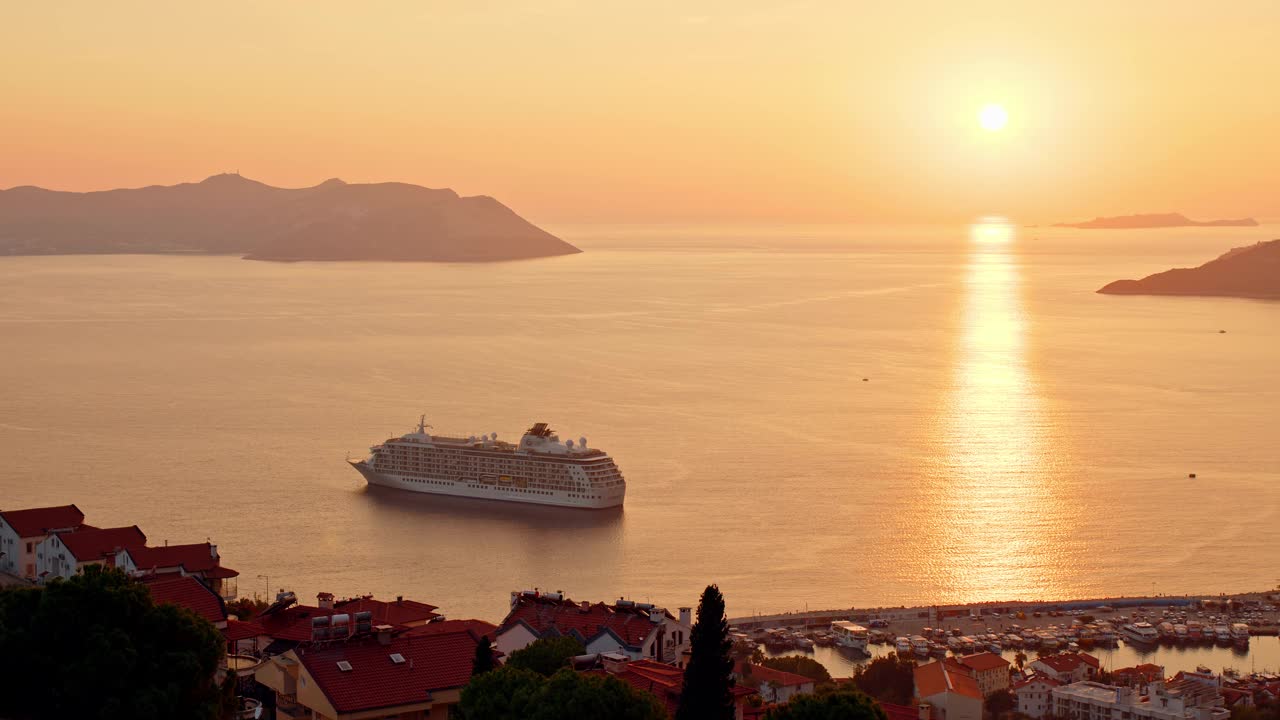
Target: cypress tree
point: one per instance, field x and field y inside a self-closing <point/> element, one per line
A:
<point x="708" y="680"/>
<point x="483" y="662"/>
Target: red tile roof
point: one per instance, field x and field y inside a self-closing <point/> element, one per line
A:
<point x="294" y="622"/>
<point x="566" y="617"/>
<point x="663" y="681"/>
<point x="765" y="674"/>
<point x="984" y="661"/>
<point x="39" y="521"/>
<point x="394" y="612"/>
<point x="1146" y="672"/>
<point x="1036" y="679"/>
<point x="936" y="677"/>
<point x="900" y="712"/>
<point x="242" y="630"/>
<point x="194" y="558"/>
<point x="188" y="592"/>
<point x="480" y="627"/>
<point x="90" y="545"/>
<point x="1067" y="662"/>
<point x="432" y="663"/>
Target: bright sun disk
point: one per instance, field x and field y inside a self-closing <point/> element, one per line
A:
<point x="993" y="118"/>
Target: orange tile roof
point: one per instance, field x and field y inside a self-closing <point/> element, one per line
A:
<point x="242" y="630"/>
<point x="984" y="661"/>
<point x="936" y="677"/>
<point x="1068" y="661"/>
<point x="479" y="627"/>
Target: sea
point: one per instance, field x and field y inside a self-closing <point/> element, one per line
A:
<point x="810" y="417"/>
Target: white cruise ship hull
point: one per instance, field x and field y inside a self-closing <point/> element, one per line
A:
<point x="605" y="498"/>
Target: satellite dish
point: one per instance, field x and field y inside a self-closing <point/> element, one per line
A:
<point x="582" y="442"/>
<point x="569" y="443"/>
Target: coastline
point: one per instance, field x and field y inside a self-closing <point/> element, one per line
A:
<point x="923" y="614"/>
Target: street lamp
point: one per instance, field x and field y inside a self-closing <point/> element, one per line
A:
<point x="267" y="578"/>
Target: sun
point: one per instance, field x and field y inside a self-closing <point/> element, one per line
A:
<point x="993" y="117"/>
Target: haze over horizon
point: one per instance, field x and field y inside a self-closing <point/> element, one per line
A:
<point x="594" y="112"/>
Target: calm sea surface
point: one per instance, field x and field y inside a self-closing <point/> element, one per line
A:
<point x="809" y="417"/>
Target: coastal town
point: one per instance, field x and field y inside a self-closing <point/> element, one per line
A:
<point x="342" y="658"/>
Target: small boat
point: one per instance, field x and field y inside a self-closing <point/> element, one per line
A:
<point x="919" y="645"/>
<point x="1240" y="633"/>
<point x="902" y="645"/>
<point x="848" y="635"/>
<point x="1140" y="633"/>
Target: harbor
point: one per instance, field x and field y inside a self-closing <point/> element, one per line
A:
<point x="1223" y="634"/>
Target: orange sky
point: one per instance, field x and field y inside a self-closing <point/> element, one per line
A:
<point x="604" y="111"/>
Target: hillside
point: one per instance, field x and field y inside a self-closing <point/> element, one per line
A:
<point x="232" y="214"/>
<point x="1251" y="272"/>
<point x="1154" y="220"/>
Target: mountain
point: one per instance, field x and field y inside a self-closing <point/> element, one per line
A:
<point x="1252" y="271"/>
<point x="229" y="213"/>
<point x="1154" y="220"/>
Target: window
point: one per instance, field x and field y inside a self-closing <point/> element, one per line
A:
<point x="344" y="666"/>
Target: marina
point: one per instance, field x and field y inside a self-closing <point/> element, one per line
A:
<point x="1241" y="633"/>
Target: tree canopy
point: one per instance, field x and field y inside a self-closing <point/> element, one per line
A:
<point x="800" y="665"/>
<point x="547" y="655"/>
<point x="999" y="703"/>
<point x="97" y="646"/>
<point x="708" y="679"/>
<point x="840" y="704"/>
<point x="510" y="693"/>
<point x="888" y="679"/>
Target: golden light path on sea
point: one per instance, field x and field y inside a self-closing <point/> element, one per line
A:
<point x="1004" y="521"/>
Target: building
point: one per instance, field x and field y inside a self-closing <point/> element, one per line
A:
<point x="63" y="554"/>
<point x="774" y="686"/>
<point x="22" y="530"/>
<point x="1138" y="676"/>
<point x="947" y="691"/>
<point x="989" y="669"/>
<point x="200" y="560"/>
<point x="637" y="630"/>
<point x="1066" y="667"/>
<point x="1033" y="696"/>
<point x="377" y="675"/>
<point x="662" y="680"/>
<point x="288" y="624"/>
<point x="187" y="592"/>
<point x="1180" y="700"/>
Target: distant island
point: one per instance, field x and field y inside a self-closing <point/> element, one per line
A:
<point x="229" y="213"/>
<point x="1252" y="271"/>
<point x="1154" y="220"/>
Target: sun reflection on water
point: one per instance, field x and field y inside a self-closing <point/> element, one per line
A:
<point x="1000" y="522"/>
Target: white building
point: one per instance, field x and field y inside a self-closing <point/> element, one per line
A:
<point x="22" y="530"/>
<point x="1180" y="700"/>
<point x="1066" y="667"/>
<point x="1033" y="697"/>
<point x="637" y="630"/>
<point x="63" y="554"/>
<point x="989" y="669"/>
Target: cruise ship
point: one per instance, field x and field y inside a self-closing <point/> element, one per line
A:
<point x="540" y="470"/>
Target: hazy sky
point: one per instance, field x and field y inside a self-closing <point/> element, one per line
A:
<point x="663" y="110"/>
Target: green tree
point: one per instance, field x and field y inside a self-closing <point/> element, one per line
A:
<point x="97" y="646"/>
<point x="483" y="661"/>
<point x="246" y="608"/>
<point x="506" y="693"/>
<point x="547" y="655"/>
<point x="999" y="703"/>
<point x="1020" y="660"/>
<point x="840" y="704"/>
<point x="800" y="665"/>
<point x="516" y="694"/>
<point x="888" y="679"/>
<point x="708" y="679"/>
